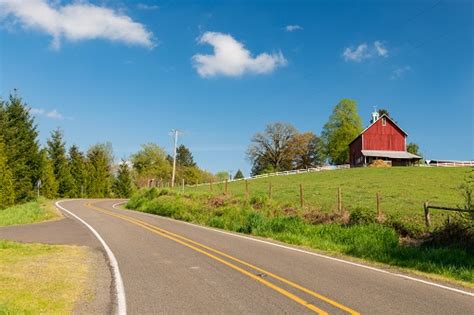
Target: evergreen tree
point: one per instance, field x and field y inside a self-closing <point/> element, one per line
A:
<point x="184" y="157"/>
<point x="123" y="182"/>
<point x="77" y="168"/>
<point x="49" y="185"/>
<point x="21" y="146"/>
<point x="239" y="175"/>
<point x="343" y="126"/>
<point x="98" y="168"/>
<point x="7" y="194"/>
<point x="57" y="155"/>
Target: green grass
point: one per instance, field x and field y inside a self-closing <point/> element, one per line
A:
<point x="31" y="212"/>
<point x="41" y="279"/>
<point x="356" y="232"/>
<point x="403" y="190"/>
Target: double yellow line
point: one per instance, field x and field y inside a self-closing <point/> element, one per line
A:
<point x="198" y="247"/>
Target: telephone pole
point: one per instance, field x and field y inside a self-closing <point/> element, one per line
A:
<point x="174" y="133"/>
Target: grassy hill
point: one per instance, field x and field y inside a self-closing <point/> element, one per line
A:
<point x="403" y="190"/>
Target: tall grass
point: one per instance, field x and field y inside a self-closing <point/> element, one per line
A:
<point x="357" y="235"/>
<point x="31" y="212"/>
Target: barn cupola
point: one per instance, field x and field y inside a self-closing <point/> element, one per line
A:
<point x="375" y="116"/>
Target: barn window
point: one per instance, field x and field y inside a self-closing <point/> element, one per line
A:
<point x="384" y="121"/>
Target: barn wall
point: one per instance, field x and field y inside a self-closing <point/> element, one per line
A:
<point x="388" y="137"/>
<point x="355" y="154"/>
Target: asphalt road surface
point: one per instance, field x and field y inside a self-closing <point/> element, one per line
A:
<point x="167" y="266"/>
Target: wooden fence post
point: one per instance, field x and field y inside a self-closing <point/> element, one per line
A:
<point x="225" y="186"/>
<point x="339" y="199"/>
<point x="426" y="205"/>
<point x="378" y="204"/>
<point x="246" y="189"/>
<point x="301" y="196"/>
<point x="270" y="191"/>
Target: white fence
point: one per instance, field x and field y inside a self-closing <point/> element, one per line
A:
<point x="284" y="173"/>
<point x="450" y="163"/>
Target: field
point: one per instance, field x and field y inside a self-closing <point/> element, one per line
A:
<point x="398" y="237"/>
<point x="31" y="212"/>
<point x="403" y="190"/>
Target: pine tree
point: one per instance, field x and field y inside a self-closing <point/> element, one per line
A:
<point x="239" y="175"/>
<point x="78" y="172"/>
<point x="49" y="185"/>
<point x="123" y="182"/>
<point x="98" y="171"/>
<point x="7" y="194"/>
<point x="184" y="157"/>
<point x="21" y="147"/>
<point x="57" y="155"/>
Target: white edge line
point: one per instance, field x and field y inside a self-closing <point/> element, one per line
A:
<point x="310" y="253"/>
<point x="119" y="287"/>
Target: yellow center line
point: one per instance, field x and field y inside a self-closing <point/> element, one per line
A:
<point x="176" y="237"/>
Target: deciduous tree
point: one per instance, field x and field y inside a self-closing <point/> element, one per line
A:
<point x="307" y="151"/>
<point x="343" y="126"/>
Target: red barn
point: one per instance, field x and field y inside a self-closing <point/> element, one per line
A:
<point x="382" y="140"/>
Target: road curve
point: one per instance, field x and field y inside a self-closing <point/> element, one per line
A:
<point x="169" y="266"/>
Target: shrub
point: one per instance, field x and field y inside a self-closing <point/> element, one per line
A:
<point x="361" y="216"/>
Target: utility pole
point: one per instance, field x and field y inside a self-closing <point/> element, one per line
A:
<point x="174" y="133"/>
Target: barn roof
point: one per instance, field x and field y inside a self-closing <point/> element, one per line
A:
<point x="386" y="116"/>
<point x="390" y="154"/>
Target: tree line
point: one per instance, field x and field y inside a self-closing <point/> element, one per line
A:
<point x="281" y="147"/>
<point x="56" y="171"/>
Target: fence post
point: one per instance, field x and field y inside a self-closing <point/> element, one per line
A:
<point x="426" y="205"/>
<point x="301" y="196"/>
<point x="339" y="199"/>
<point x="378" y="204"/>
<point x="247" y="189"/>
<point x="225" y="186"/>
<point x="270" y="191"/>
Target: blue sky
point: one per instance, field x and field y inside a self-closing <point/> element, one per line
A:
<point x="221" y="70"/>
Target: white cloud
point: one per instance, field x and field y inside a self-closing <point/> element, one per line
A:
<point x="76" y="21"/>
<point x="53" y="114"/>
<point x="399" y="72"/>
<point x="231" y="58"/>
<point x="292" y="28"/>
<point x="148" y="7"/>
<point x="364" y="51"/>
<point x="380" y="48"/>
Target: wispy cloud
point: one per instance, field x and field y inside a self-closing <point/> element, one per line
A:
<point x="148" y="7"/>
<point x="52" y="114"/>
<point x="231" y="58"/>
<point x="364" y="51"/>
<point x="75" y="22"/>
<point x="292" y="28"/>
<point x="399" y="72"/>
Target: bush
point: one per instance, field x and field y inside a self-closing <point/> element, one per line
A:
<point x="361" y="216"/>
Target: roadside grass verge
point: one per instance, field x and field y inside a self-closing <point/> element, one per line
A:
<point x="41" y="279"/>
<point x="356" y="233"/>
<point x="31" y="212"/>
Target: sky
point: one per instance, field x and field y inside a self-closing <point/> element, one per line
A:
<point x="128" y="71"/>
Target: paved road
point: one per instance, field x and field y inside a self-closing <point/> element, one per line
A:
<point x="173" y="267"/>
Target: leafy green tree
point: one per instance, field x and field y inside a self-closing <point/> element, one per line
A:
<point x="151" y="163"/>
<point x="239" y="175"/>
<point x="7" y="194"/>
<point x="57" y="155"/>
<point x="343" y="126"/>
<point x="123" y="182"/>
<point x="22" y="150"/>
<point x="77" y="167"/>
<point x="49" y="185"/>
<point x="222" y="176"/>
<point x="413" y="148"/>
<point x="98" y="167"/>
<point x="271" y="149"/>
<point x="184" y="157"/>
